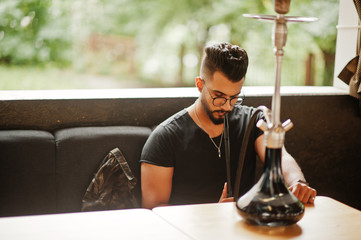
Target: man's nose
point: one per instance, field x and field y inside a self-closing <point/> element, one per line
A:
<point x="227" y="106"/>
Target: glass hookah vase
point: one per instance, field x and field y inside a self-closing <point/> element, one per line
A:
<point x="269" y="202"/>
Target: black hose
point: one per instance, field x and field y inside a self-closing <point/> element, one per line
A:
<point x="237" y="181"/>
<point x="228" y="156"/>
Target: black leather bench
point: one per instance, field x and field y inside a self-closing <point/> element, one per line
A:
<point x="43" y="172"/>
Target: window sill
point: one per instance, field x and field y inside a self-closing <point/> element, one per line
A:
<point x="190" y="92"/>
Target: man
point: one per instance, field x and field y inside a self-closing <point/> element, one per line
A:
<point x="183" y="160"/>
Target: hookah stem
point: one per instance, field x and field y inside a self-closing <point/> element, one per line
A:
<point x="276" y="99"/>
<point x="275" y="140"/>
<point x="279" y="41"/>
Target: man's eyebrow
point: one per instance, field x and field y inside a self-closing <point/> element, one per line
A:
<point x="219" y="93"/>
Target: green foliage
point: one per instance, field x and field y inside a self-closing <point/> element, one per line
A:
<point x="38" y="78"/>
<point x="168" y="37"/>
<point x="30" y="33"/>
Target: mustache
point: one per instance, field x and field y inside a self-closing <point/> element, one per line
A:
<point x="221" y="111"/>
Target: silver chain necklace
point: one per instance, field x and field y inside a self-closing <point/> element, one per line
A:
<point x="200" y="124"/>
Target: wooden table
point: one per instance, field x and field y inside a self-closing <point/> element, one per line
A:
<point x="120" y="224"/>
<point x="326" y="219"/>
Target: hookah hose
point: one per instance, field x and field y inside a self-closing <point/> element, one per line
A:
<point x="228" y="156"/>
<point x="237" y="181"/>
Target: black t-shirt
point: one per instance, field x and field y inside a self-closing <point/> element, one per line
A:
<point x="199" y="174"/>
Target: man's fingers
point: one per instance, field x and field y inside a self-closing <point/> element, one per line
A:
<point x="224" y="193"/>
<point x="304" y="193"/>
<point x="309" y="195"/>
<point x="230" y="199"/>
<point x="312" y="196"/>
<point x="295" y="190"/>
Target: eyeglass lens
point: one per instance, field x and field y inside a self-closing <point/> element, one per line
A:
<point x="220" y="101"/>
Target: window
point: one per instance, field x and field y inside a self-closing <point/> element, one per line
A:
<point x="55" y="44"/>
<point x="346" y="39"/>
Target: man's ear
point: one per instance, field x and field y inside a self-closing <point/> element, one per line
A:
<point x="199" y="84"/>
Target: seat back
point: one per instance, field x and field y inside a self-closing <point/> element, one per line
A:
<point x="27" y="172"/>
<point x="80" y="151"/>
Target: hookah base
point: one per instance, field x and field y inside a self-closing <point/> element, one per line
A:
<point x="270" y="220"/>
<point x="270" y="210"/>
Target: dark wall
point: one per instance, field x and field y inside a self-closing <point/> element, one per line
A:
<point x="325" y="140"/>
<point x="54" y="114"/>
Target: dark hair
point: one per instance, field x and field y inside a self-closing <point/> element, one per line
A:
<point x="229" y="59"/>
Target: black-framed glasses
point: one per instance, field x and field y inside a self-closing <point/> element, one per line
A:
<point x="220" y="101"/>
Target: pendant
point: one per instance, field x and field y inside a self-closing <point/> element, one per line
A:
<point x="219" y="153"/>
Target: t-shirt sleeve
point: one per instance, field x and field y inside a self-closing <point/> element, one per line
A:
<point x="256" y="131"/>
<point x="158" y="149"/>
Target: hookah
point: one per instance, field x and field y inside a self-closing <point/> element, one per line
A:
<point x="269" y="202"/>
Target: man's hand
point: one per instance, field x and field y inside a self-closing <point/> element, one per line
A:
<point x="224" y="197"/>
<point x="303" y="192"/>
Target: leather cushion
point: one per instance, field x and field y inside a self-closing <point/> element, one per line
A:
<point x="80" y="151"/>
<point x="27" y="172"/>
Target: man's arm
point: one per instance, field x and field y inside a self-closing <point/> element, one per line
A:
<point x="156" y="185"/>
<point x="292" y="173"/>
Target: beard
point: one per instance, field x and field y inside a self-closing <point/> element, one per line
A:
<point x="211" y="114"/>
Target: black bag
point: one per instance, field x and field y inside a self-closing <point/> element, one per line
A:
<point x="112" y="187"/>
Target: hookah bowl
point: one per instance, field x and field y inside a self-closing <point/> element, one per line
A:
<point x="269" y="202"/>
